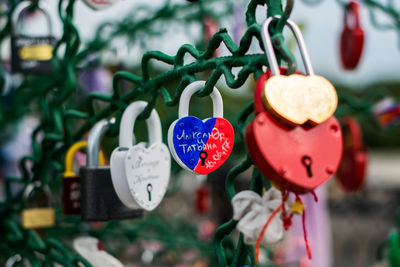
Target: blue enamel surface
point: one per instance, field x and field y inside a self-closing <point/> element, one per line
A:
<point x="189" y="137"/>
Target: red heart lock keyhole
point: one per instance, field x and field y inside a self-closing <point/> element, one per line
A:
<point x="353" y="167"/>
<point x="298" y="158"/>
<point x="352" y="38"/>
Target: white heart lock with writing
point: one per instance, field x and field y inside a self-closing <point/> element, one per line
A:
<point x="140" y="173"/>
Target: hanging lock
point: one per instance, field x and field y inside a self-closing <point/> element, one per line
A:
<point x="41" y="216"/>
<point x="200" y="146"/>
<point x="99" y="201"/>
<point x="296" y="158"/>
<point x="297" y="99"/>
<point x="31" y="54"/>
<point x="352" y="37"/>
<point x="71" y="183"/>
<point x="99" y="4"/>
<point x="140" y="173"/>
<point x="352" y="171"/>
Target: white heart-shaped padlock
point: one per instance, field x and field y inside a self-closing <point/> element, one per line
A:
<point x="99" y="4"/>
<point x="140" y="173"/>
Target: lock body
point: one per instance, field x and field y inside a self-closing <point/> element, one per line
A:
<point x="352" y="171"/>
<point x="297" y="158"/>
<point x="32" y="55"/>
<point x="38" y="218"/>
<point x="351" y="47"/>
<point x="71" y="195"/>
<point x="352" y="37"/>
<point x="99" y="201"/>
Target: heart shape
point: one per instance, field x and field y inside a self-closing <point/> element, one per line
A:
<point x="296" y="158"/>
<point x="352" y="171"/>
<point x="99" y="4"/>
<point x="298" y="99"/>
<point x="352" y="37"/>
<point x="201" y="146"/>
<point x="148" y="172"/>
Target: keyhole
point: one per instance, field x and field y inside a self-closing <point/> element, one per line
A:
<point x="307" y="162"/>
<point x="203" y="156"/>
<point x="149" y="188"/>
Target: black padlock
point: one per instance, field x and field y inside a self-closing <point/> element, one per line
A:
<point x="31" y="54"/>
<point x="99" y="201"/>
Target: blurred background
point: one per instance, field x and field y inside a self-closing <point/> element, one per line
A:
<point x="355" y="221"/>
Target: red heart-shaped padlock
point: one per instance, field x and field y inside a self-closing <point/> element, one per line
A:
<point x="352" y="38"/>
<point x="298" y="158"/>
<point x="353" y="167"/>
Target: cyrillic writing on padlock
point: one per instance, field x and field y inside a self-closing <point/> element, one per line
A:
<point x="141" y="172"/>
<point x="200" y="146"/>
<point x="297" y="99"/>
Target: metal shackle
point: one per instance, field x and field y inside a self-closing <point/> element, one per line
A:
<point x="23" y="7"/>
<point x="269" y="49"/>
<point x="69" y="158"/>
<point x="94" y="141"/>
<point x="37" y="184"/>
<point x="126" y="136"/>
<point x="218" y="108"/>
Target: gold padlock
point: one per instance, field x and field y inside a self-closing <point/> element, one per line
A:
<point x="36" y="52"/>
<point x="37" y="217"/>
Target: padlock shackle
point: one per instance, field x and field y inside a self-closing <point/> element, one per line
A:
<point x="19" y="11"/>
<point x="94" y="141"/>
<point x="269" y="49"/>
<point x="126" y="136"/>
<point x="37" y="184"/>
<point x="352" y="9"/>
<point x="69" y="158"/>
<point x="218" y="108"/>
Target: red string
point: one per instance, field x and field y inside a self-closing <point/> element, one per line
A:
<point x="287" y="220"/>
<point x="305" y="236"/>
<point x="260" y="236"/>
<point x="315" y="196"/>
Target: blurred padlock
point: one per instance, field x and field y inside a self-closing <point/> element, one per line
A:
<point x="71" y="183"/>
<point x="38" y="213"/>
<point x="352" y="37"/>
<point x="31" y="54"/>
<point x="99" y="201"/>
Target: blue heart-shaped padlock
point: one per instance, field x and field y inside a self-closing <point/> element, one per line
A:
<point x="200" y="146"/>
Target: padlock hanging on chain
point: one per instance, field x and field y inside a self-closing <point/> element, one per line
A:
<point x="71" y="182"/>
<point x="36" y="215"/>
<point x="295" y="158"/>
<point x="352" y="37"/>
<point x="140" y="172"/>
<point x="352" y="172"/>
<point x="99" y="201"/>
<point x="31" y="54"/>
<point x="200" y="146"/>
<point x="296" y="99"/>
